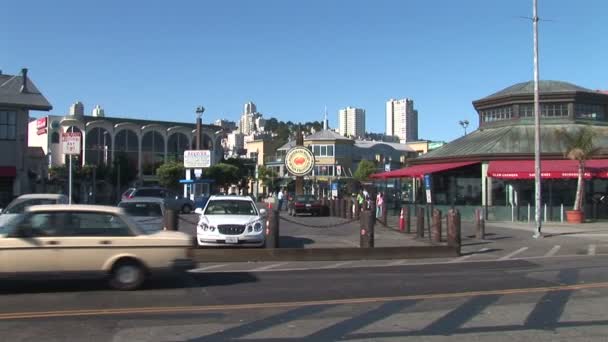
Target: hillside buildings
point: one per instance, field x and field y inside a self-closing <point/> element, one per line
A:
<point x="351" y="122"/>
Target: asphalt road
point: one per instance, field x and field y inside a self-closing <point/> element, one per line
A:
<point x="546" y="299"/>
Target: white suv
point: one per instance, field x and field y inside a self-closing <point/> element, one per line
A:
<point x="231" y="221"/>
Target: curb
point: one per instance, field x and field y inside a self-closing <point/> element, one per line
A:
<point x="323" y="254"/>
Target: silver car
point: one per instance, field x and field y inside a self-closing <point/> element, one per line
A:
<point x="147" y="212"/>
<point x="18" y="206"/>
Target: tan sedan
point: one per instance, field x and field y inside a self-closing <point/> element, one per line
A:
<point x="78" y="239"/>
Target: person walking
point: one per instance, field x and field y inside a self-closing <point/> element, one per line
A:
<point x="360" y="199"/>
<point x="280" y="198"/>
<point x="379" y="204"/>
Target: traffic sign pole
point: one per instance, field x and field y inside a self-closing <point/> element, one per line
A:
<point x="70" y="182"/>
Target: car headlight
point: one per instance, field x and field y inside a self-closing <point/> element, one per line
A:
<point x="211" y="228"/>
<point x="257" y="226"/>
<point x="204" y="227"/>
<point x="249" y="229"/>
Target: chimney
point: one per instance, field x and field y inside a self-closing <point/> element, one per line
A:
<point x="24" y="81"/>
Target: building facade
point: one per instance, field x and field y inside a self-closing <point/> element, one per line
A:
<point x="145" y="144"/>
<point x="351" y="122"/>
<point x="18" y="96"/>
<point x="247" y="124"/>
<point x="402" y="120"/>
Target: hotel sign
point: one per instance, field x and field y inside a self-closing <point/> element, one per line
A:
<point x="299" y="161"/>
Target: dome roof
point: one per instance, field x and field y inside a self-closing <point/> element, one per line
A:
<point x="527" y="88"/>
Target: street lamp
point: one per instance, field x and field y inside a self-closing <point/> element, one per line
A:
<point x="199" y="122"/>
<point x="105" y="148"/>
<point x="464" y="124"/>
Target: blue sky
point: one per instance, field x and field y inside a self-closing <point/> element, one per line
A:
<point x="161" y="59"/>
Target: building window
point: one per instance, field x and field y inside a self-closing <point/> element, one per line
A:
<point x="323" y="150"/>
<point x="589" y="111"/>
<point x="547" y="110"/>
<point x="324" y="170"/>
<point x="8" y="125"/>
<point x="497" y="114"/>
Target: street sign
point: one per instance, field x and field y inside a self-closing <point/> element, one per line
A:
<point x="428" y="186"/>
<point x="339" y="170"/>
<point x="334" y="189"/>
<point x="70" y="142"/>
<point x="387" y="167"/>
<point x="198" y="173"/>
<point x="196" y="159"/>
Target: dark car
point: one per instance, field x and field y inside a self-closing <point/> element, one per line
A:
<point x="172" y="200"/>
<point x="306" y="204"/>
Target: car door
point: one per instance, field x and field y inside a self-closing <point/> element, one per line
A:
<point x="38" y="251"/>
<point x="93" y="239"/>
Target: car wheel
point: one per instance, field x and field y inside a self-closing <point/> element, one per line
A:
<point x="127" y="275"/>
<point x="186" y="209"/>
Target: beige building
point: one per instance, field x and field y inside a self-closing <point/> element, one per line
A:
<point x="260" y="150"/>
<point x="402" y="120"/>
<point x="351" y="122"/>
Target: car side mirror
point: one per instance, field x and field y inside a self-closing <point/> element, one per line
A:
<point x="263" y="212"/>
<point x="198" y="211"/>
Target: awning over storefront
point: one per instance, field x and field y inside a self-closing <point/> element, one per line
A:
<point x="550" y="169"/>
<point x="418" y="171"/>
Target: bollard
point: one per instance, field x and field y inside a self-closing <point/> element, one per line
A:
<point x="454" y="229"/>
<point x="366" y="233"/>
<point x="324" y="207"/>
<point x="272" y="229"/>
<point x="401" y="221"/>
<point x="339" y="207"/>
<point x="480" y="224"/>
<point x="384" y="214"/>
<point x="372" y="209"/>
<point x="436" y="230"/>
<point x="349" y="209"/>
<point x="332" y="207"/>
<point x="407" y="218"/>
<point x="344" y="208"/>
<point x="420" y="222"/>
<point x="357" y="210"/>
<point x="171" y="220"/>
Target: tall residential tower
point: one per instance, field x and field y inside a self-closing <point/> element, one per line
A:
<point x="352" y="122"/>
<point x="402" y="120"/>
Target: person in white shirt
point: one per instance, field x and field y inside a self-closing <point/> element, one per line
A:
<point x="280" y="197"/>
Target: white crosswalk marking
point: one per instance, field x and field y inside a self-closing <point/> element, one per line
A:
<point x="267" y="267"/>
<point x="512" y="254"/>
<point x="465" y="257"/>
<point x="553" y="251"/>
<point x="591" y="250"/>
<point x="337" y="265"/>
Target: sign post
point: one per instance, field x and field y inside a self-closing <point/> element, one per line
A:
<point x="70" y="142"/>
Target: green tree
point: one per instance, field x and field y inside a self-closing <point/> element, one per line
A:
<point x="170" y="173"/>
<point x="267" y="176"/>
<point x="578" y="145"/>
<point x="223" y="174"/>
<point x="364" y="170"/>
<point x="246" y="170"/>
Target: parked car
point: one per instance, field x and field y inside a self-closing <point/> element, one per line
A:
<point x="231" y="221"/>
<point x="172" y="200"/>
<point x="147" y="212"/>
<point x="306" y="204"/>
<point x="89" y="239"/>
<point x="18" y="205"/>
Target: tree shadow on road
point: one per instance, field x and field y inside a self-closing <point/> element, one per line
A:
<point x="294" y="241"/>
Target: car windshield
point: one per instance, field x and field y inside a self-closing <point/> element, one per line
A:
<point x="305" y="199"/>
<point x="19" y="207"/>
<point x="148" y="209"/>
<point x="230" y="207"/>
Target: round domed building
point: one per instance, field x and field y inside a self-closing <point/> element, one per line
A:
<point x="493" y="166"/>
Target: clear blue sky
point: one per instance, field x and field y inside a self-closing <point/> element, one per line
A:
<point x="160" y="59"/>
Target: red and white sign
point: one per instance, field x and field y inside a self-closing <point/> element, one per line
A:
<point x="197" y="159"/>
<point x="41" y="123"/>
<point x="70" y="142"/>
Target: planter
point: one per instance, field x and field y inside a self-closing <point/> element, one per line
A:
<point x="575" y="216"/>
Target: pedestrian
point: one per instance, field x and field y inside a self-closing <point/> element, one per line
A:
<point x="280" y="197"/>
<point x="379" y="204"/>
<point x="360" y="199"/>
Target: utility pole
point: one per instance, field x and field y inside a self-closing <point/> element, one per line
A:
<point x="537" y="181"/>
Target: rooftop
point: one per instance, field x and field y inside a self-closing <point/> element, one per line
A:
<point x="545" y="87"/>
<point x="11" y="93"/>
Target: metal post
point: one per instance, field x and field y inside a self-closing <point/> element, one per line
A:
<point x="70" y="182"/>
<point x="436" y="231"/>
<point x="171" y="220"/>
<point x="480" y="225"/>
<point x="357" y="210"/>
<point x="545" y="213"/>
<point x="528" y="212"/>
<point x="454" y="229"/>
<point x="272" y="230"/>
<point x="561" y="213"/>
<point x="349" y="210"/>
<point x="420" y="222"/>
<point x="512" y="213"/>
<point x="408" y="218"/>
<point x="367" y="229"/>
<point x="344" y="208"/>
<point x="537" y="171"/>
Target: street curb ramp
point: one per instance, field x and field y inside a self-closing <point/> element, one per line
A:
<point x="323" y="254"/>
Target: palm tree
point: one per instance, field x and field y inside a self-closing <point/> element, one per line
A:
<point x="578" y="145"/>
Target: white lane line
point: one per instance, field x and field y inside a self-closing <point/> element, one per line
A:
<point x="208" y="268"/>
<point x="396" y="263"/>
<point x="267" y="267"/>
<point x="508" y="256"/>
<point x="591" y="250"/>
<point x="553" y="251"/>
<point x="340" y="264"/>
<point x="465" y="257"/>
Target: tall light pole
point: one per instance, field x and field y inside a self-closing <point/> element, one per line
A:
<point x="464" y="124"/>
<point x="537" y="187"/>
<point x="199" y="122"/>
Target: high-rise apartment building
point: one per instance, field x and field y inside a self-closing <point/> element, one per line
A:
<point x="247" y="124"/>
<point x="402" y="119"/>
<point x="352" y="122"/>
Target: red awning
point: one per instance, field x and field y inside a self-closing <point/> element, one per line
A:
<point x="8" y="171"/>
<point x="550" y="169"/>
<point x="418" y="171"/>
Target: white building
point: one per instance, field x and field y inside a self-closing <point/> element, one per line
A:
<point x="352" y="122"/>
<point x="247" y="124"/>
<point x="402" y="119"/>
<point x="233" y="143"/>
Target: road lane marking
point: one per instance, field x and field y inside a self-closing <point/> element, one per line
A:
<point x="508" y="256"/>
<point x="465" y="257"/>
<point x="397" y="263"/>
<point x="553" y="251"/>
<point x="267" y="267"/>
<point x="257" y="306"/>
<point x="591" y="250"/>
<point x="208" y="268"/>
<point x="337" y="265"/>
